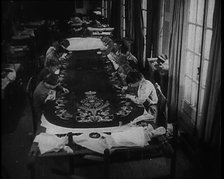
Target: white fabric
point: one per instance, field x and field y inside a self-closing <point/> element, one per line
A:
<point x="49" y="142"/>
<point x="54" y="129"/>
<point x="158" y="131"/>
<point x="88" y="43"/>
<point x="134" y="136"/>
<point x="128" y="136"/>
<point x="95" y="144"/>
<point x="144" y="117"/>
<point x="101" y="29"/>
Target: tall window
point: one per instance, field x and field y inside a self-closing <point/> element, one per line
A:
<point x="123" y="18"/>
<point x="104" y="8"/>
<point x="197" y="58"/>
<point x="144" y="13"/>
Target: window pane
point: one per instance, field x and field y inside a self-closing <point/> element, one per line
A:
<point x="198" y="40"/>
<point x="189" y="60"/>
<point x="187" y="93"/>
<point x="194" y="93"/>
<point x="144" y="13"/>
<point x="145" y="30"/>
<point x="193" y="8"/>
<point x="202" y="92"/>
<point x="200" y="12"/>
<point x="191" y="37"/>
<point x="195" y="66"/>
<point x="204" y="73"/>
<point x="208" y="37"/>
<point x="144" y="4"/>
<point x="123" y="23"/>
<point x="123" y="11"/>
<point x="211" y="4"/>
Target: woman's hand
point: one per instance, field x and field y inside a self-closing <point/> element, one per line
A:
<point x="129" y="96"/>
<point x="65" y="90"/>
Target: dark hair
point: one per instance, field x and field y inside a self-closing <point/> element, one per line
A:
<point x="51" y="79"/>
<point x="52" y="61"/>
<point x="133" y="77"/>
<point x="65" y="43"/>
<point x="125" y="46"/>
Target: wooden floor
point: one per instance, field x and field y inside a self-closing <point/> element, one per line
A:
<point x="16" y="145"/>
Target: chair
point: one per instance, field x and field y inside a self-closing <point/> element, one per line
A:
<point x="161" y="105"/>
<point x="31" y="85"/>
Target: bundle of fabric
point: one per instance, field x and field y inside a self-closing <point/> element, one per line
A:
<point x="52" y="143"/>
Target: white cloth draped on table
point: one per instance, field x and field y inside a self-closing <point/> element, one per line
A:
<point x="88" y="43"/>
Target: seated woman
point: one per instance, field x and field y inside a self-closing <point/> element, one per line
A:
<point x="142" y="91"/>
<point x="125" y="51"/>
<point x="46" y="87"/>
<point x="108" y="43"/>
<point x="55" y="50"/>
<point x="41" y="92"/>
<point x="52" y="66"/>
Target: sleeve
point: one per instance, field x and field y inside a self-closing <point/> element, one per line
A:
<point x="153" y="98"/>
<point x="143" y="93"/>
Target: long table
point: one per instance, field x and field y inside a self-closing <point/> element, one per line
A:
<point x="93" y="104"/>
<point x="93" y="101"/>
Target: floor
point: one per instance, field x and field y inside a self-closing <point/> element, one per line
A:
<point x="16" y="145"/>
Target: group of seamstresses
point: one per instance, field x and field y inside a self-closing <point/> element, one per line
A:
<point x="134" y="85"/>
<point x="48" y="79"/>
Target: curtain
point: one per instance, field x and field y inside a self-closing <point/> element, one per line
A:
<point x="210" y="127"/>
<point x="134" y="28"/>
<point x="109" y="6"/>
<point x="115" y="18"/>
<point x="129" y="20"/>
<point x="175" y="49"/>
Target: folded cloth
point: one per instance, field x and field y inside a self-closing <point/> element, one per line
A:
<point x="144" y="117"/>
<point x="50" y="142"/>
<point x="94" y="144"/>
<point x="133" y="137"/>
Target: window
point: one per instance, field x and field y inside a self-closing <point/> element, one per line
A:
<point x="197" y="51"/>
<point x="123" y="19"/>
<point x="104" y="8"/>
<point x="144" y="13"/>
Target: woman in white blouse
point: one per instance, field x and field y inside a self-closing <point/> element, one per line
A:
<point x="142" y="91"/>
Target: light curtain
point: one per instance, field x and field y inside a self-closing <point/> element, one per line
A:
<point x="209" y="129"/>
<point x="175" y="53"/>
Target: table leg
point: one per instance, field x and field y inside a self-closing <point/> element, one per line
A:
<point x="106" y="163"/>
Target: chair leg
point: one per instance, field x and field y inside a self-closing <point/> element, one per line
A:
<point x="71" y="166"/>
<point x="31" y="167"/>
<point x="106" y="163"/>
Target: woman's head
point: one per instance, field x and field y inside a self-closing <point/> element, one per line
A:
<point x="51" y="80"/>
<point x="125" y="47"/>
<point x="134" y="77"/>
<point x="53" y="64"/>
